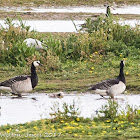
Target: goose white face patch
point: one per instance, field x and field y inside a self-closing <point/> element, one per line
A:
<point x="36" y="63"/>
<point x="123" y="63"/>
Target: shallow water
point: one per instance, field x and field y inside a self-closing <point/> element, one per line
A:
<point x="15" y="111"/>
<point x="60" y="25"/>
<point x="50" y="25"/>
<point x="127" y="9"/>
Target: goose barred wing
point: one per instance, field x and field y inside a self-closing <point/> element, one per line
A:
<point x="9" y="82"/>
<point x="104" y="85"/>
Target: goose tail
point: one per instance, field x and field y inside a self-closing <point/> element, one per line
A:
<point x="5" y="88"/>
<point x="98" y="91"/>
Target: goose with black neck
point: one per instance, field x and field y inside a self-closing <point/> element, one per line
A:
<point x="111" y="87"/>
<point x="24" y="83"/>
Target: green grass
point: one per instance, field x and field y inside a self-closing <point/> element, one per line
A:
<point x="79" y="82"/>
<point x="78" y="77"/>
<point x="77" y="128"/>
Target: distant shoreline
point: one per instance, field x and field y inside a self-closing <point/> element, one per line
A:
<point x="68" y="12"/>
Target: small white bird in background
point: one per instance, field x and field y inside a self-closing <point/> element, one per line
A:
<point x="30" y="42"/>
<point x="111" y="87"/>
<point x="23" y="83"/>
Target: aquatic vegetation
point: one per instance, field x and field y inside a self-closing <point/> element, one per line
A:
<point x="114" y="113"/>
<point x="110" y="110"/>
<point x="69" y="112"/>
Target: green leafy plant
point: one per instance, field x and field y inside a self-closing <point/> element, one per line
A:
<point x="14" y="32"/>
<point x="110" y="110"/>
<point x="17" y="54"/>
<point x="67" y="112"/>
<point x="113" y="111"/>
<point x="130" y="113"/>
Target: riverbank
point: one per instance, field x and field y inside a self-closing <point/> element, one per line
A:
<point x="68" y="12"/>
<point x="66" y="124"/>
<point x="66" y="3"/>
<point x="38" y="106"/>
<point x="61" y="16"/>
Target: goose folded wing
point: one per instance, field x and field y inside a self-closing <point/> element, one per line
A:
<point x="9" y="82"/>
<point x="104" y="85"/>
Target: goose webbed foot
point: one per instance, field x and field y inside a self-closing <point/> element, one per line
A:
<point x="19" y="95"/>
<point x="33" y="98"/>
<point x="102" y="96"/>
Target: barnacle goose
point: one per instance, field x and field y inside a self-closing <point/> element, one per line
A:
<point x="111" y="87"/>
<point x="23" y="83"/>
<point x="108" y="10"/>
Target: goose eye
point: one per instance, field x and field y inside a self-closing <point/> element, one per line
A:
<point x="38" y="62"/>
